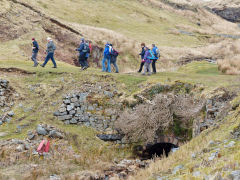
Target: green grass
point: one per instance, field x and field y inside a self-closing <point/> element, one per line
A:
<point x="52" y="87"/>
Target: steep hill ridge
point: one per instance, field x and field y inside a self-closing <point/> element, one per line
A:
<point x="174" y="30"/>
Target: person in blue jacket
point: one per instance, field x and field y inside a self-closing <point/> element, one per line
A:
<point x="106" y="57"/>
<point x="35" y="49"/>
<point x="156" y="54"/>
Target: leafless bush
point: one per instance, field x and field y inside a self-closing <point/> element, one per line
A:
<point x="146" y="120"/>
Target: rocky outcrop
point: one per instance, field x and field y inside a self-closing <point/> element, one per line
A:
<point x="216" y="108"/>
<point x="229" y="13"/>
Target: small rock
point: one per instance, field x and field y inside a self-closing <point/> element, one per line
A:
<point x="193" y="155"/>
<point x="20" y="148"/>
<point x="211" y="143"/>
<point x="174" y="150"/>
<point x="196" y="173"/>
<point x="62" y="109"/>
<point x="177" y="168"/>
<point x="109" y="94"/>
<point x="73" y="121"/>
<point x="231" y="144"/>
<point x="57" y="113"/>
<point x="55" y="134"/>
<point x="8" y="120"/>
<point x="67" y="101"/>
<point x="11" y="113"/>
<point x="41" y="130"/>
<point x="213" y="156"/>
<point x="70" y="107"/>
<point x="31" y="136"/>
<point x="73" y="100"/>
<point x="54" y="177"/>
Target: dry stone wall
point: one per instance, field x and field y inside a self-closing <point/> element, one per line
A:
<point x="6" y="101"/>
<point x="93" y="107"/>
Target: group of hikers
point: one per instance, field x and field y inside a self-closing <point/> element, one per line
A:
<point x="148" y="56"/>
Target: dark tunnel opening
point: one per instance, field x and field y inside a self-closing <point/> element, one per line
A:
<point x="155" y="150"/>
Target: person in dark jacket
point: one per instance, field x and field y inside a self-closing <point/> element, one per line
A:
<point x="89" y="47"/>
<point x="35" y="49"/>
<point x="50" y="53"/>
<point x="142" y="57"/>
<point x="114" y="55"/>
<point x="106" y="57"/>
<point x="84" y="50"/>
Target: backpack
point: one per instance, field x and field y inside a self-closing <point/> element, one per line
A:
<point x="156" y="52"/>
<point x="54" y="47"/>
<point x="114" y="52"/>
<point x="106" y="50"/>
<point x="151" y="57"/>
<point x="86" y="48"/>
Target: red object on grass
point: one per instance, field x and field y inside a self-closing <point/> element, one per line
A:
<point x="43" y="146"/>
<point x="47" y="147"/>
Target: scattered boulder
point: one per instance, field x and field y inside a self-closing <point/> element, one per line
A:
<point x="110" y="137"/>
<point x="45" y="130"/>
<point x="41" y="130"/>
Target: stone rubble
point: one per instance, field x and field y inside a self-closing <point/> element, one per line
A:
<point x="93" y="107"/>
<point x="6" y="102"/>
<point x="45" y="130"/>
<point x="217" y="107"/>
<point x="125" y="168"/>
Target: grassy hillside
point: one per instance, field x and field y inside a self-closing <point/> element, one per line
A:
<point x="182" y="35"/>
<point x="52" y="84"/>
<point x="131" y="18"/>
<point x="197" y="159"/>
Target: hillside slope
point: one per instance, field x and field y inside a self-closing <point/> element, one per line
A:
<point x="178" y="32"/>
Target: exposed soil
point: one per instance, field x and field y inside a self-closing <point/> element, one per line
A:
<point x="16" y="71"/>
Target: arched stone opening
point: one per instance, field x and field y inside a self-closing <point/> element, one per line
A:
<point x="158" y="150"/>
<point x="162" y="146"/>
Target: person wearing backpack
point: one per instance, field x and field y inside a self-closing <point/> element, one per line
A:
<point x="106" y="57"/>
<point x="148" y="57"/>
<point x="156" y="54"/>
<point x="83" y="51"/>
<point x="89" y="47"/>
<point x="142" y="57"/>
<point x="35" y="49"/>
<point x="114" y="54"/>
<point x="50" y="53"/>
